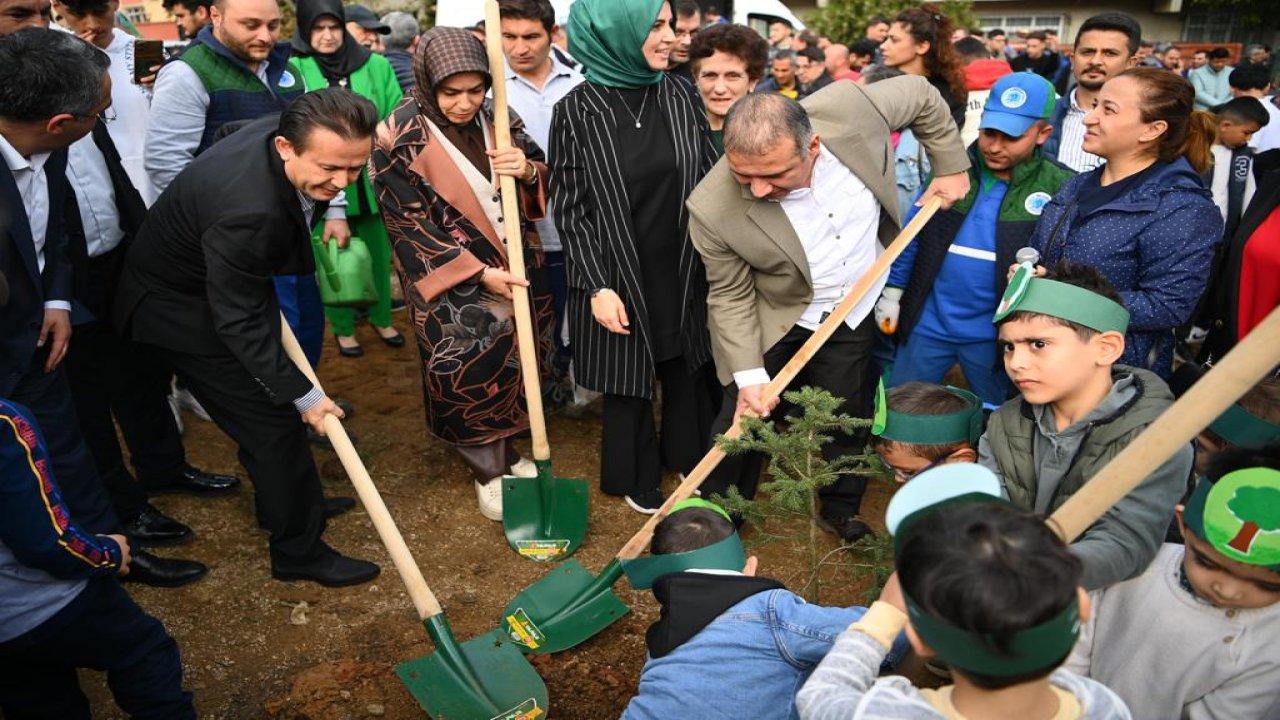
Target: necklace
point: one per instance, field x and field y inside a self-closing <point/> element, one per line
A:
<point x="635" y="117"/>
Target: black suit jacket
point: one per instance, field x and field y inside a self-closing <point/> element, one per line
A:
<point x="96" y="278"/>
<point x="29" y="288"/>
<point x="198" y="277"/>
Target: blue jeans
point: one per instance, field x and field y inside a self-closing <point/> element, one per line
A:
<point x="927" y="360"/>
<point x="299" y="299"/>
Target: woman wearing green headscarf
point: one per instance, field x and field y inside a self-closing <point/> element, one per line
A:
<point x="627" y="148"/>
<point x="326" y="55"/>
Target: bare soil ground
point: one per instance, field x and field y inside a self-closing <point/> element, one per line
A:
<point x="255" y="648"/>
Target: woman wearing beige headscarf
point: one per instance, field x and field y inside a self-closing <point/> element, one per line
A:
<point x="435" y="172"/>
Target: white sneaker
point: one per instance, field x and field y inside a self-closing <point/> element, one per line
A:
<point x="525" y="469"/>
<point x="177" y="413"/>
<point x="489" y="495"/>
<point x="188" y="401"/>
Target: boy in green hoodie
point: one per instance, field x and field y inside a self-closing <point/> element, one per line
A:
<point x="1060" y="337"/>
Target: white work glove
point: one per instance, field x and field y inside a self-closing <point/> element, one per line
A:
<point x="887" y="309"/>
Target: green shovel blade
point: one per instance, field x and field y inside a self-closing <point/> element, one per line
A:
<point x="563" y="609"/>
<point x="545" y="518"/>
<point x="486" y="678"/>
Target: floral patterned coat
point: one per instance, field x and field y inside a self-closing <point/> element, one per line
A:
<point x="441" y="239"/>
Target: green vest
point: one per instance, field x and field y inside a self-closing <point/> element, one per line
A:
<point x="375" y="81"/>
<point x="1011" y="439"/>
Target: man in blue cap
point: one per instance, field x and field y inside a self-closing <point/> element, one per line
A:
<point x="942" y="291"/>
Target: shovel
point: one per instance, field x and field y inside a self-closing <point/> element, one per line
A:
<point x="570" y="605"/>
<point x="482" y="679"/>
<point x="1234" y="375"/>
<point x="545" y="518"/>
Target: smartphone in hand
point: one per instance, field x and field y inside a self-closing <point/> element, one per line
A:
<point x="146" y="55"/>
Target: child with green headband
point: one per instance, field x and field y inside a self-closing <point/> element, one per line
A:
<point x="1253" y="421"/>
<point x="920" y="425"/>
<point x="986" y="588"/>
<point x="1198" y="634"/>
<point x="727" y="643"/>
<point x="1060" y="336"/>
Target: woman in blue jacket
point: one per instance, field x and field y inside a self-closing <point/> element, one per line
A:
<point x="1144" y="218"/>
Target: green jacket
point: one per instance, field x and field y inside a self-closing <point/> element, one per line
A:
<point x="375" y="80"/>
<point x="1123" y="542"/>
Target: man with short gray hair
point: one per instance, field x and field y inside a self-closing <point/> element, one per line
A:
<point x="786" y="223"/>
<point x="400" y="45"/>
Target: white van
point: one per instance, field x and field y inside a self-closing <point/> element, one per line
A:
<point x="755" y="13"/>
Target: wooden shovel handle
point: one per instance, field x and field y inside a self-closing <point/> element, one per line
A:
<point x="525" y="341"/>
<point x="423" y="599"/>
<point x="864" y="286"/>
<point x="1248" y="362"/>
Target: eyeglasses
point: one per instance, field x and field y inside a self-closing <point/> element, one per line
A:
<point x="905" y="475"/>
<point x="108" y="114"/>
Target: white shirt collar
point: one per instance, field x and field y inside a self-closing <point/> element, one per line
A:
<point x="16" y="161"/>
<point x="558" y="69"/>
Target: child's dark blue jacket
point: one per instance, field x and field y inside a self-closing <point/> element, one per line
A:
<point x="44" y="557"/>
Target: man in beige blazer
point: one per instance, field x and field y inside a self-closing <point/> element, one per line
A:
<point x="802" y="203"/>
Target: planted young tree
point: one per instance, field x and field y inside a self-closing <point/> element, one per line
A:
<point x="797" y="471"/>
<point x="1259" y="509"/>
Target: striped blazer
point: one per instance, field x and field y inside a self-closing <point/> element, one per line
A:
<point x="589" y="201"/>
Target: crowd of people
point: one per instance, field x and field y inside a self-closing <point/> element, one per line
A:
<point x="695" y="200"/>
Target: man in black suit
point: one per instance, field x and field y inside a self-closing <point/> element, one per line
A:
<point x="53" y="86"/>
<point x="197" y="285"/>
<point x="113" y="379"/>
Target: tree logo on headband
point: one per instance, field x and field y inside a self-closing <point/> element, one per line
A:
<point x="1242" y="518"/>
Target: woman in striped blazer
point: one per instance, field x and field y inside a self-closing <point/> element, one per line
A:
<point x="627" y="148"/>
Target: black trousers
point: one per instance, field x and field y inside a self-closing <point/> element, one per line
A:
<point x="113" y="377"/>
<point x="273" y="448"/>
<point x="104" y="630"/>
<point x="634" y="452"/>
<point x="48" y="395"/>
<point x="838" y="367"/>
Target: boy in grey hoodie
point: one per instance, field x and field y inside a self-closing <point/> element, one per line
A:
<point x="986" y="588"/>
<point x="1060" y="336"/>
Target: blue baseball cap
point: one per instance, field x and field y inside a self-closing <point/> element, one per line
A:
<point x="1016" y="102"/>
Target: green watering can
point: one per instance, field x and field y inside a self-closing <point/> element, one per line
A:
<point x="346" y="274"/>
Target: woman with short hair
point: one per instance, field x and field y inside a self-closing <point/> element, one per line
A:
<point x="727" y="61"/>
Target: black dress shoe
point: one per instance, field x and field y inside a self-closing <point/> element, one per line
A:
<point x="195" y="481"/>
<point x="147" y="569"/>
<point x="354" y="351"/>
<point x="335" y="506"/>
<point x="152" y="527"/>
<point x="331" y="569"/>
<point x="395" y="341"/>
<point x="849" y="528"/>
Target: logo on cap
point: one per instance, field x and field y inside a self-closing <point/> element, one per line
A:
<point x="1036" y="201"/>
<point x="1014" y="97"/>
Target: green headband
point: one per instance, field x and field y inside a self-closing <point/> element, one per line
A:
<point x="1239" y="515"/>
<point x="1244" y="429"/>
<point x="1037" y="648"/>
<point x="727" y="554"/>
<point x="941" y="429"/>
<point x="1061" y="300"/>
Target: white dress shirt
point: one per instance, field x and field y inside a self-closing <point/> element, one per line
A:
<point x="1071" y="148"/>
<point x="837" y="219"/>
<point x="33" y="186"/>
<point x="99" y="214"/>
<point x="535" y="107"/>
